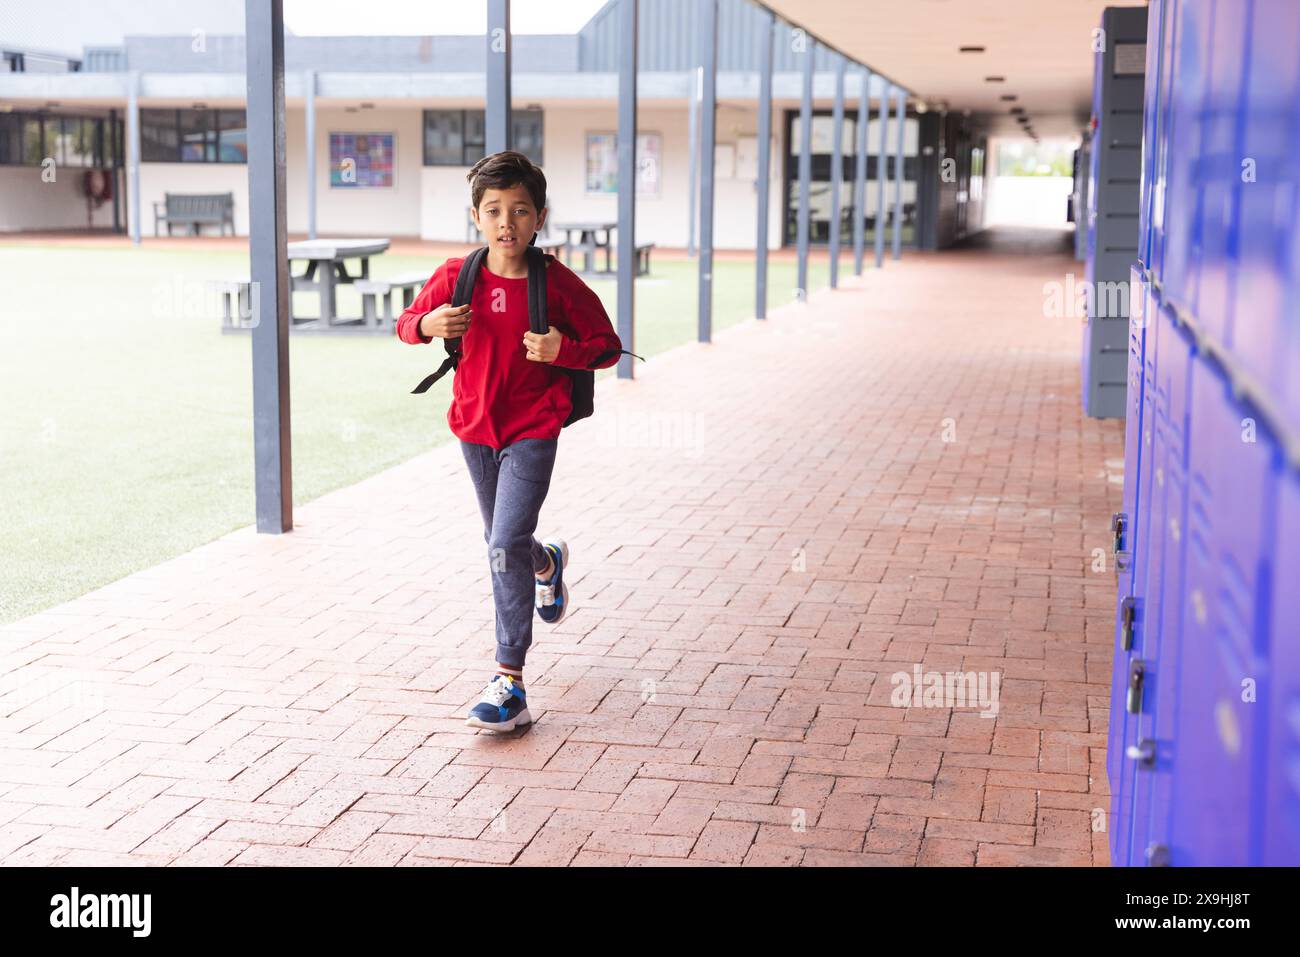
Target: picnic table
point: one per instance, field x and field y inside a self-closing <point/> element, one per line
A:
<point x="327" y="270"/>
<point x="588" y="242"/>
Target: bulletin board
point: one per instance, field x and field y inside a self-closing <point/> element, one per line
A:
<point x="602" y="163"/>
<point x="361" y="160"/>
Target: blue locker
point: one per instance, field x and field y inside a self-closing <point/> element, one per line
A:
<point x="1159" y="620"/>
<point x="1142" y="524"/>
<point x="1217" y="176"/>
<point x="1281" y="831"/>
<point x="1267" y="314"/>
<point x="1217" y="735"/>
<point x="1193" y="26"/>
<point x="1150" y="131"/>
<point x="1126" y="545"/>
<point x="1165" y="106"/>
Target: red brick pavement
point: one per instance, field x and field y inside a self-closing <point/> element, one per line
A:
<point x="764" y="531"/>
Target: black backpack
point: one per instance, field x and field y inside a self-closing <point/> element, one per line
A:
<point x="584" y="380"/>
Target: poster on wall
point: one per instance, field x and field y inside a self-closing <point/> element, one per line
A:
<point x="361" y="160"/>
<point x="602" y="163"/>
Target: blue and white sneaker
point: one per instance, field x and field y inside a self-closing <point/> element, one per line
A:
<point x="552" y="594"/>
<point x="502" y="707"/>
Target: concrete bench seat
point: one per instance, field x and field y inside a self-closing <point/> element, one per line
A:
<point x="408" y="283"/>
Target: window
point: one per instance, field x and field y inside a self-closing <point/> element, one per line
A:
<point x="71" y="140"/>
<point x="198" y="138"/>
<point x="27" y="139"/>
<point x="33" y="141"/>
<point x="232" y="137"/>
<point x="458" y="137"/>
<point x="193" y="136"/>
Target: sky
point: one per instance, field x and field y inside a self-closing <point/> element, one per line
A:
<point x="67" y="26"/>
<point x="425" y="17"/>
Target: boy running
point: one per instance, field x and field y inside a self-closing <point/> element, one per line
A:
<point x="508" y="405"/>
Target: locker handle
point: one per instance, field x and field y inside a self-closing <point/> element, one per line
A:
<point x="1136" y="676"/>
<point x="1127" y="617"/>
<point x="1143" y="753"/>
<point x="1118" y="521"/>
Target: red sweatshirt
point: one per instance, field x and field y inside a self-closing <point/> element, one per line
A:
<point x="499" y="395"/>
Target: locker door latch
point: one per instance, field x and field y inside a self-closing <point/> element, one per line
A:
<point x="1136" y="677"/>
<point x="1143" y="753"/>
<point x="1127" y="618"/>
<point x="1118" y="545"/>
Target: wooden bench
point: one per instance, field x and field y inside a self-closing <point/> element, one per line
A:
<point x="643" y="258"/>
<point x="196" y="210"/>
<point x="409" y="283"/>
<point x="241" y="291"/>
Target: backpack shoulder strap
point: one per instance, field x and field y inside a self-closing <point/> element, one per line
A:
<point x="464" y="291"/>
<point x="461" y="295"/>
<point x="468" y="276"/>
<point x="538" y="320"/>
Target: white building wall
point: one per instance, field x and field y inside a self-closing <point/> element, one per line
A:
<point x="342" y="211"/>
<point x="28" y="202"/>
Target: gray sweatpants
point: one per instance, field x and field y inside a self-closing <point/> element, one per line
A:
<point x="511" y="484"/>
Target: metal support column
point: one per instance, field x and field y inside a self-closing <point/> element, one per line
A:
<point x="627" y="174"/>
<point x="693" y="120"/>
<point x="882" y="164"/>
<point x="860" y="174"/>
<point x="309" y="83"/>
<point x="268" y="259"/>
<point x="496" y="133"/>
<point x="837" y="171"/>
<point x="110" y="161"/>
<point x="763" y="185"/>
<point x="133" y="151"/>
<point x="805" y="168"/>
<point x="708" y="134"/>
<point x="898" y="173"/>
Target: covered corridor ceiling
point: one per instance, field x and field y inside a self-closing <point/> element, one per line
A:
<point x="1042" y="49"/>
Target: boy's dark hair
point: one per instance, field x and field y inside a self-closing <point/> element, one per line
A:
<point x="505" y="170"/>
